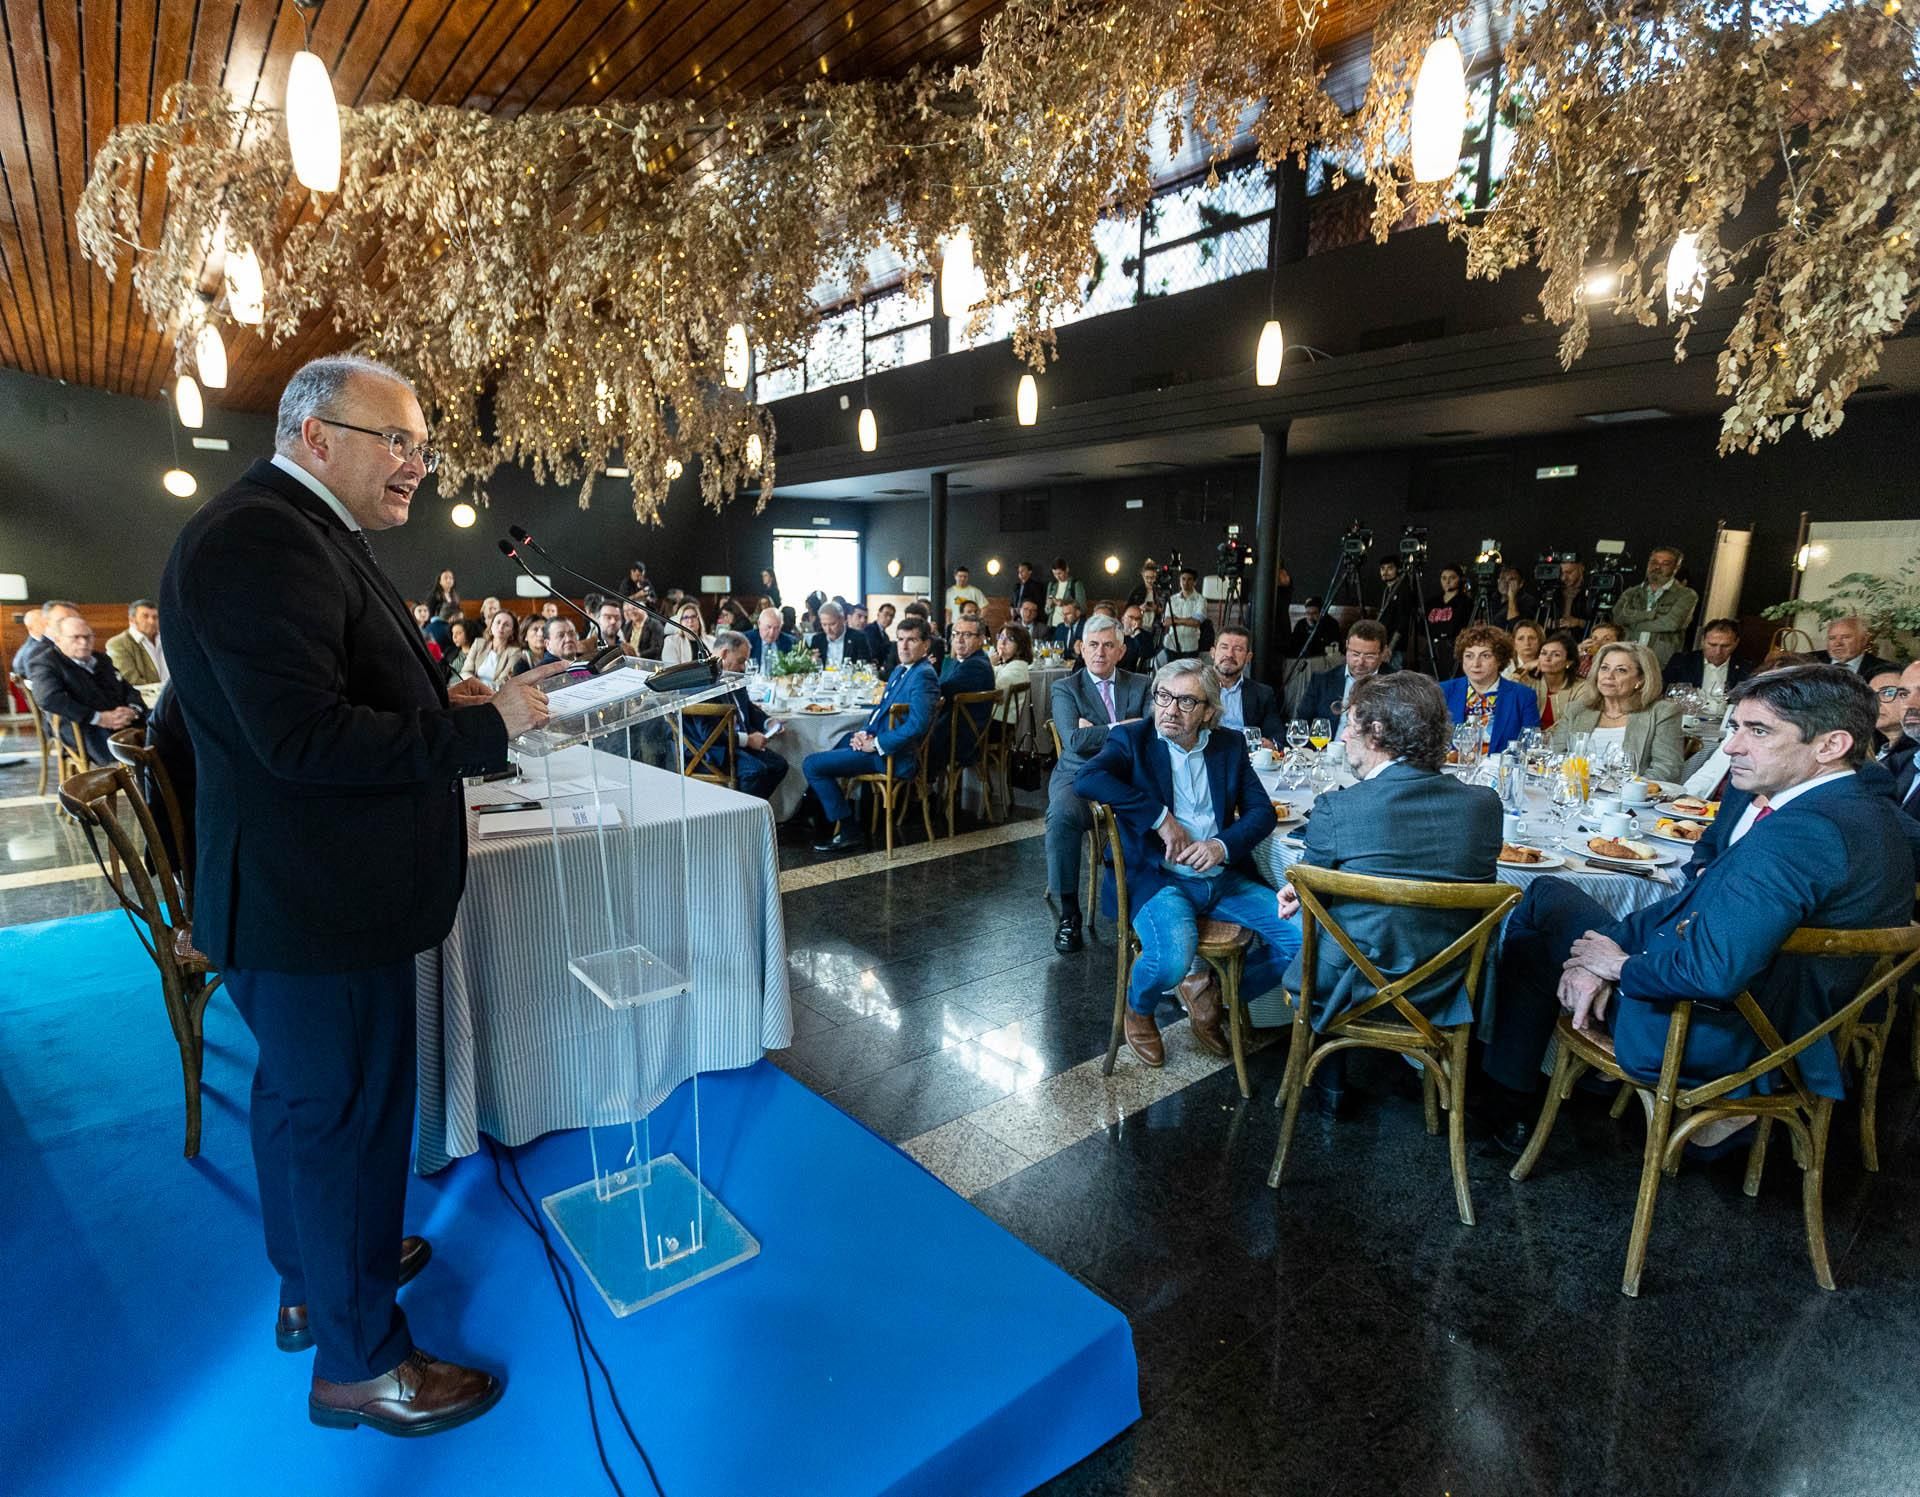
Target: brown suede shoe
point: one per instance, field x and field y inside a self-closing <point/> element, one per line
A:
<point x="290" y="1329"/>
<point x="1143" y="1039"/>
<point x="422" y="1396"/>
<point x="1200" y="993"/>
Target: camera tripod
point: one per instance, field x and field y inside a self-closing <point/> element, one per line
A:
<point x="1346" y="572"/>
<point x="1414" y="567"/>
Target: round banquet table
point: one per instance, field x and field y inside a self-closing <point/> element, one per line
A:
<point x="1030" y="733"/>
<point x="803" y="733"/>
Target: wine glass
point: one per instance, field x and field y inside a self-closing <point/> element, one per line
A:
<point x="1297" y="735"/>
<point x="1319" y="733"/>
<point x="1252" y="736"/>
<point x="1566" y="800"/>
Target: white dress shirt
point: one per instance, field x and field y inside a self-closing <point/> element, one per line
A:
<point x="1752" y="814"/>
<point x="836" y="649"/>
<point x="1713" y="678"/>
<point x="1192" y="801"/>
<point x="288" y="465"/>
<point x="152" y="647"/>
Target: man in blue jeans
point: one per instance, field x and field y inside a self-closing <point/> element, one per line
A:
<point x="1191" y="811"/>
<point x="865" y="750"/>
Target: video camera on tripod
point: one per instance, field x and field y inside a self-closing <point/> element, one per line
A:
<point x="1413" y="545"/>
<point x="1546" y="571"/>
<point x="1486" y="566"/>
<point x="1357" y="541"/>
<point x="1612" y="573"/>
<point x="1233" y="557"/>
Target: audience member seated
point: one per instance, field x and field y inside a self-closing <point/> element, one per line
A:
<point x="498" y="656"/>
<point x="83" y="688"/>
<point x="135" y="651"/>
<point x="757" y="769"/>
<point x="1481" y="694"/>
<point x="40" y="624"/>
<point x="966" y="670"/>
<point x="1244" y="701"/>
<point x="1315" y="632"/>
<point x="1889" y="730"/>
<point x="836" y="644"/>
<point x="431" y="631"/>
<point x="462" y="629"/>
<point x="1137" y="640"/>
<point x="864" y="750"/>
<point x="489" y="606"/>
<point x="770" y="633"/>
<point x="563" y="642"/>
<point x="1849" y="645"/>
<point x="936" y="641"/>
<point x="1084" y="707"/>
<point x="1191" y="811"/>
<point x="1405" y="818"/>
<point x="1012" y="666"/>
<point x="1527" y="638"/>
<point x="1602" y="633"/>
<point x="1033" y="619"/>
<point x="1556" y="663"/>
<point x="1711" y="668"/>
<point x="1621" y="703"/>
<point x="676" y="647"/>
<point x="1904" y="765"/>
<point x="730" y="615"/>
<point x="644" y="635"/>
<point x="884" y="657"/>
<point x="1067" y="633"/>
<point x="1807" y="842"/>
<point x="533" y="644"/>
<point x="1326" y="690"/>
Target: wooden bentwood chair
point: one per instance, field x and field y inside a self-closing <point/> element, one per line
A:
<point x="158" y="901"/>
<point x="1223" y="947"/>
<point x="967" y="744"/>
<point x="996" y="759"/>
<point x="706" y="752"/>
<point x="25" y="688"/>
<point x="1806" y="1117"/>
<point x="1869" y="1053"/>
<point x="1096" y="840"/>
<point x="1441" y="1050"/>
<point x="891" y="791"/>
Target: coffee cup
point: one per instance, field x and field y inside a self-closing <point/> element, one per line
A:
<point x="1265" y="759"/>
<point x="1635" y="793"/>
<point x="1513" y="828"/>
<point x="1617" y="824"/>
<point x="1604" y="805"/>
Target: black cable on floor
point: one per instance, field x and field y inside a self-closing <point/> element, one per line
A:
<point x="529" y="1213"/>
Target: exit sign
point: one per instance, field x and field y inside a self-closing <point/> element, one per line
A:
<point x="1566" y="470"/>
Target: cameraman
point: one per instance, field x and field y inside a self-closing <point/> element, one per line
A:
<point x="1572" y="605"/>
<point x="1395" y="612"/>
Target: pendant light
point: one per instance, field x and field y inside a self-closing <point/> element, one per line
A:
<point x="1026" y="402"/>
<point x="754" y="453"/>
<point x="463" y="515"/>
<point x="210" y="357"/>
<point x="957" y="273"/>
<point x="673" y="469"/>
<point x="1268" y="356"/>
<point x="187" y="404"/>
<point x="1686" y="276"/>
<point x="179" y="483"/>
<point x="869" y="428"/>
<point x="1439" y="115"/>
<point x="246" y="290"/>
<point x="736" y="360"/>
<point x="313" y="118"/>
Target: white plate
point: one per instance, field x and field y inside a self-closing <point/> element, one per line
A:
<point x="1665" y="808"/>
<point x="1548" y="860"/>
<point x="1672" y="841"/>
<point x="1660" y="859"/>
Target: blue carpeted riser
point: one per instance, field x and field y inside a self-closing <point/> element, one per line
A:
<point x="888" y="1338"/>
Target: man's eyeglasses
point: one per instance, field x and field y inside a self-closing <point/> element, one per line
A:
<point x="1895" y="693"/>
<point x="425" y="453"/>
<point x="1164" y="698"/>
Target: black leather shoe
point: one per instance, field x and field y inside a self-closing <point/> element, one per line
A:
<point x="290" y="1329"/>
<point x="1513" y="1138"/>
<point x="846" y="838"/>
<point x="1067" y="938"/>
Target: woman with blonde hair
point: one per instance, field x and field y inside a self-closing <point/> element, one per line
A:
<point x="1620" y="702"/>
<point x="676" y="648"/>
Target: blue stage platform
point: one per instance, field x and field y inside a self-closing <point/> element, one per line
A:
<point x="887" y="1339"/>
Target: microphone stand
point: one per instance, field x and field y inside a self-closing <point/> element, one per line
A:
<point x="702" y="670"/>
<point x="606" y="658"/>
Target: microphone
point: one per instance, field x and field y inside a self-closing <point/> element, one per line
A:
<point x="606" y="658"/>
<point x="703" y="670"/>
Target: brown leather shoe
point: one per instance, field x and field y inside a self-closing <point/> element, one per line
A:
<point x="1200" y="993"/>
<point x="1143" y="1039"/>
<point x="422" y="1396"/>
<point x="290" y="1329"/>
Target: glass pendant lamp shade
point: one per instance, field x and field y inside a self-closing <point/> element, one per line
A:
<point x="313" y="124"/>
<point x="187" y="403"/>
<point x="1266" y="359"/>
<point x="1439" y="115"/>
<point x="1027" y="400"/>
<point x="737" y="359"/>
<point x="179" y="483"/>
<point x="957" y="274"/>
<point x="210" y="357"/>
<point x="869" y="430"/>
<point x="1686" y="276"/>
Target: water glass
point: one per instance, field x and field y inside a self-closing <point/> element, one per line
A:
<point x="1297" y="735"/>
<point x="1253" y="739"/>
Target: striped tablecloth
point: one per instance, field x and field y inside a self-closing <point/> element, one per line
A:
<point x="513" y="1046"/>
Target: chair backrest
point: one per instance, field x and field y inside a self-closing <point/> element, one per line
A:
<point x="1107" y="826"/>
<point x="131" y="748"/>
<point x="1053" y="732"/>
<point x="69" y="744"/>
<point x="25" y="688"/>
<point x="711" y="758"/>
<point x="968" y="733"/>
<point x="1898" y="951"/>
<point x="1316" y="885"/>
<point x="1016" y="704"/>
<point x="91" y="798"/>
<point x="896" y="715"/>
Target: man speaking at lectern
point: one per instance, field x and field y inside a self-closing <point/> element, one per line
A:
<point x="330" y="848"/>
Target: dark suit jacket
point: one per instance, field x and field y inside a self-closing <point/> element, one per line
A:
<point x="1871" y="665"/>
<point x="975" y="673"/>
<point x="1687" y="667"/>
<point x="1033" y="590"/>
<point x="1133" y="774"/>
<point x="330" y="827"/>
<point x="1076" y="697"/>
<point x="1138" y="652"/>
<point x="1260" y="708"/>
<point x="755" y="644"/>
<point x="1837" y="856"/>
<point x="1327" y="631"/>
<point x="1403" y="823"/>
<point x="858" y="647"/>
<point x="76" y="693"/>
<point x="1324" y="692"/>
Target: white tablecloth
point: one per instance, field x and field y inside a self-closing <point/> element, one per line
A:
<point x="512" y="1045"/>
<point x="1031" y="731"/>
<point x="805" y="733"/>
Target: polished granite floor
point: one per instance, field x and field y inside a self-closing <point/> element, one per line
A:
<point x="1345" y="1334"/>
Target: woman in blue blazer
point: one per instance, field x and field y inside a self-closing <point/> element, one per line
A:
<point x="1510" y="707"/>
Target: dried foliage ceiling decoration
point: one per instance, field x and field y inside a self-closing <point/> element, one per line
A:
<point x="561" y="283"/>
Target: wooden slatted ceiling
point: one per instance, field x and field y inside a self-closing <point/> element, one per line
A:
<point x="74" y="70"/>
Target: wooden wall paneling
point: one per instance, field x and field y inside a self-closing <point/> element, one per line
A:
<point x="583" y="33"/>
<point x="428" y="23"/>
<point x="62" y="79"/>
<point x="27" y="151"/>
<point x="502" y="30"/>
<point x="98" y="115"/>
<point x="173" y="45"/>
<point x="19" y="308"/>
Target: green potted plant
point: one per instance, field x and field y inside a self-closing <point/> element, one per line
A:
<point x="1888" y="603"/>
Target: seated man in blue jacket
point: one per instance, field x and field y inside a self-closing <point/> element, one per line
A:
<point x="1191" y="811"/>
<point x="1807" y="834"/>
<point x="864" y="751"/>
<point x="967" y="669"/>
